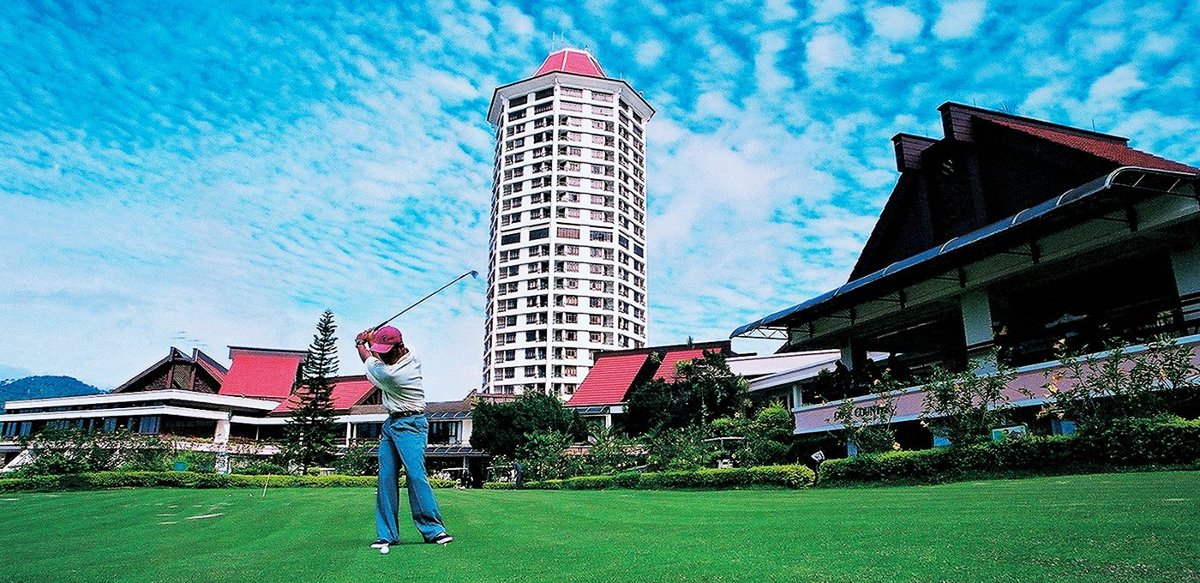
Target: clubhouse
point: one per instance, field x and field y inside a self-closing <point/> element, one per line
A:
<point x="243" y="410"/>
<point x="1009" y="235"/>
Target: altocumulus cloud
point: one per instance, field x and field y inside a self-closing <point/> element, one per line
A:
<point x="218" y="175"/>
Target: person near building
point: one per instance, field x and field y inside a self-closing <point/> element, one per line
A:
<point x="396" y="372"/>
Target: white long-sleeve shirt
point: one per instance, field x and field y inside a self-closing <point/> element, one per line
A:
<point x="400" y="383"/>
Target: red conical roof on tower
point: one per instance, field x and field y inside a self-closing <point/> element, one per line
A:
<point x="571" y="61"/>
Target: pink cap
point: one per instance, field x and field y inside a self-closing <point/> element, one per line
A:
<point x="385" y="338"/>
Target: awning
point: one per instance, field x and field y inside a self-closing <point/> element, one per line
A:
<point x="991" y="239"/>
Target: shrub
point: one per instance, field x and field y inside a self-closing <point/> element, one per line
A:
<point x="869" y="427"/>
<point x="667" y="480"/>
<point x="1167" y="441"/>
<point x="1096" y="389"/>
<point x="502" y="428"/>
<point x="626" y="480"/>
<point x="587" y="483"/>
<point x="609" y="453"/>
<point x="703" y="389"/>
<point x="102" y="480"/>
<point x="260" y="467"/>
<point x="964" y="406"/>
<point x="718" y="478"/>
<point x="1131" y="442"/>
<point x="922" y="465"/>
<point x="542" y="455"/>
<point x="358" y="461"/>
<point x="680" y="449"/>
<point x="499" y="469"/>
<point x="68" y="451"/>
<point x="196" y="461"/>
<point x="766" y="437"/>
<point x="789" y="476"/>
<point x="793" y="476"/>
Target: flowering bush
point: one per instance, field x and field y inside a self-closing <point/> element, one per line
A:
<point x="868" y="427"/>
<point x="1096" y="389"/>
<point x="965" y="406"/>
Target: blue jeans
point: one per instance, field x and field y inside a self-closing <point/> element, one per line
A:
<point x="403" y="442"/>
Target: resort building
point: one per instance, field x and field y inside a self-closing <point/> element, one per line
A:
<point x="1007" y="235"/>
<point x="604" y="392"/>
<point x="243" y="410"/>
<point x="567" y="264"/>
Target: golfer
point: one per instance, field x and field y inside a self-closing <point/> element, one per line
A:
<point x="397" y="373"/>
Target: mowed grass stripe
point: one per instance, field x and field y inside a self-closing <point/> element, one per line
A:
<point x="1111" y="527"/>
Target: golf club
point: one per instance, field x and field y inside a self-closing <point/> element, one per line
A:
<point x="472" y="273"/>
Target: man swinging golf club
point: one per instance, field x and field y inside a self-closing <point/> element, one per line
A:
<point x="394" y="369"/>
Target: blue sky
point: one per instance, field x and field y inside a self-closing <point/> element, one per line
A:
<point x="206" y="174"/>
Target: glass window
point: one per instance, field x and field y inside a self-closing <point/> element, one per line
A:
<point x="148" y="424"/>
<point x="444" y="432"/>
<point x="367" y="430"/>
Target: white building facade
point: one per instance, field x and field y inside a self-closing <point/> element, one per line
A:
<point x="567" y="264"/>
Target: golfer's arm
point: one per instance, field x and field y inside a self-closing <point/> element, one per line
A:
<point x="360" y="344"/>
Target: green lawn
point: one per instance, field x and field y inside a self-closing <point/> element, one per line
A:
<point x="1116" y="527"/>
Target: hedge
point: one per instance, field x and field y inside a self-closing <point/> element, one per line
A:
<point x="1163" y="440"/>
<point x="1136" y="443"/>
<point x="102" y="480"/>
<point x="794" y="476"/>
<point x="499" y="486"/>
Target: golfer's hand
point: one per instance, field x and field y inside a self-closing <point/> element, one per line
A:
<point x="364" y="336"/>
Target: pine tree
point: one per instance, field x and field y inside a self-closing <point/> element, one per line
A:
<point x="310" y="436"/>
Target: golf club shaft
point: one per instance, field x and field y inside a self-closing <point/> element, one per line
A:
<point x="471" y="273"/>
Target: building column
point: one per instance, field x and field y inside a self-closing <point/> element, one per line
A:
<point x="977" y="330"/>
<point x="848" y="355"/>
<point x="797" y="397"/>
<point x="349" y="434"/>
<point x="1186" y="265"/>
<point x="221" y="440"/>
<point x="222" y="433"/>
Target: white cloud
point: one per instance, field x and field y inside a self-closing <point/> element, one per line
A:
<point x="778" y="11"/>
<point x="1111" y="90"/>
<point x="1045" y="96"/>
<point x="1159" y="45"/>
<point x="827" y="50"/>
<point x="770" y="79"/>
<point x="352" y="170"/>
<point x="829" y="10"/>
<point x="649" y="53"/>
<point x="895" y="23"/>
<point x="715" y="104"/>
<point x="959" y="19"/>
<point x="515" y="22"/>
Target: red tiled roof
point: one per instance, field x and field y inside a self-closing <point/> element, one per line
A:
<point x="265" y="374"/>
<point x="1113" y="149"/>
<point x="609" y="380"/>
<point x="666" y="370"/>
<point x="571" y="61"/>
<point x="347" y="392"/>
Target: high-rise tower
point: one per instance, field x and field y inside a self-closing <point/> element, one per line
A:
<point x="567" y="270"/>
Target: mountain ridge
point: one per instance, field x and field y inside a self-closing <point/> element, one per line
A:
<point x="43" y="387"/>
